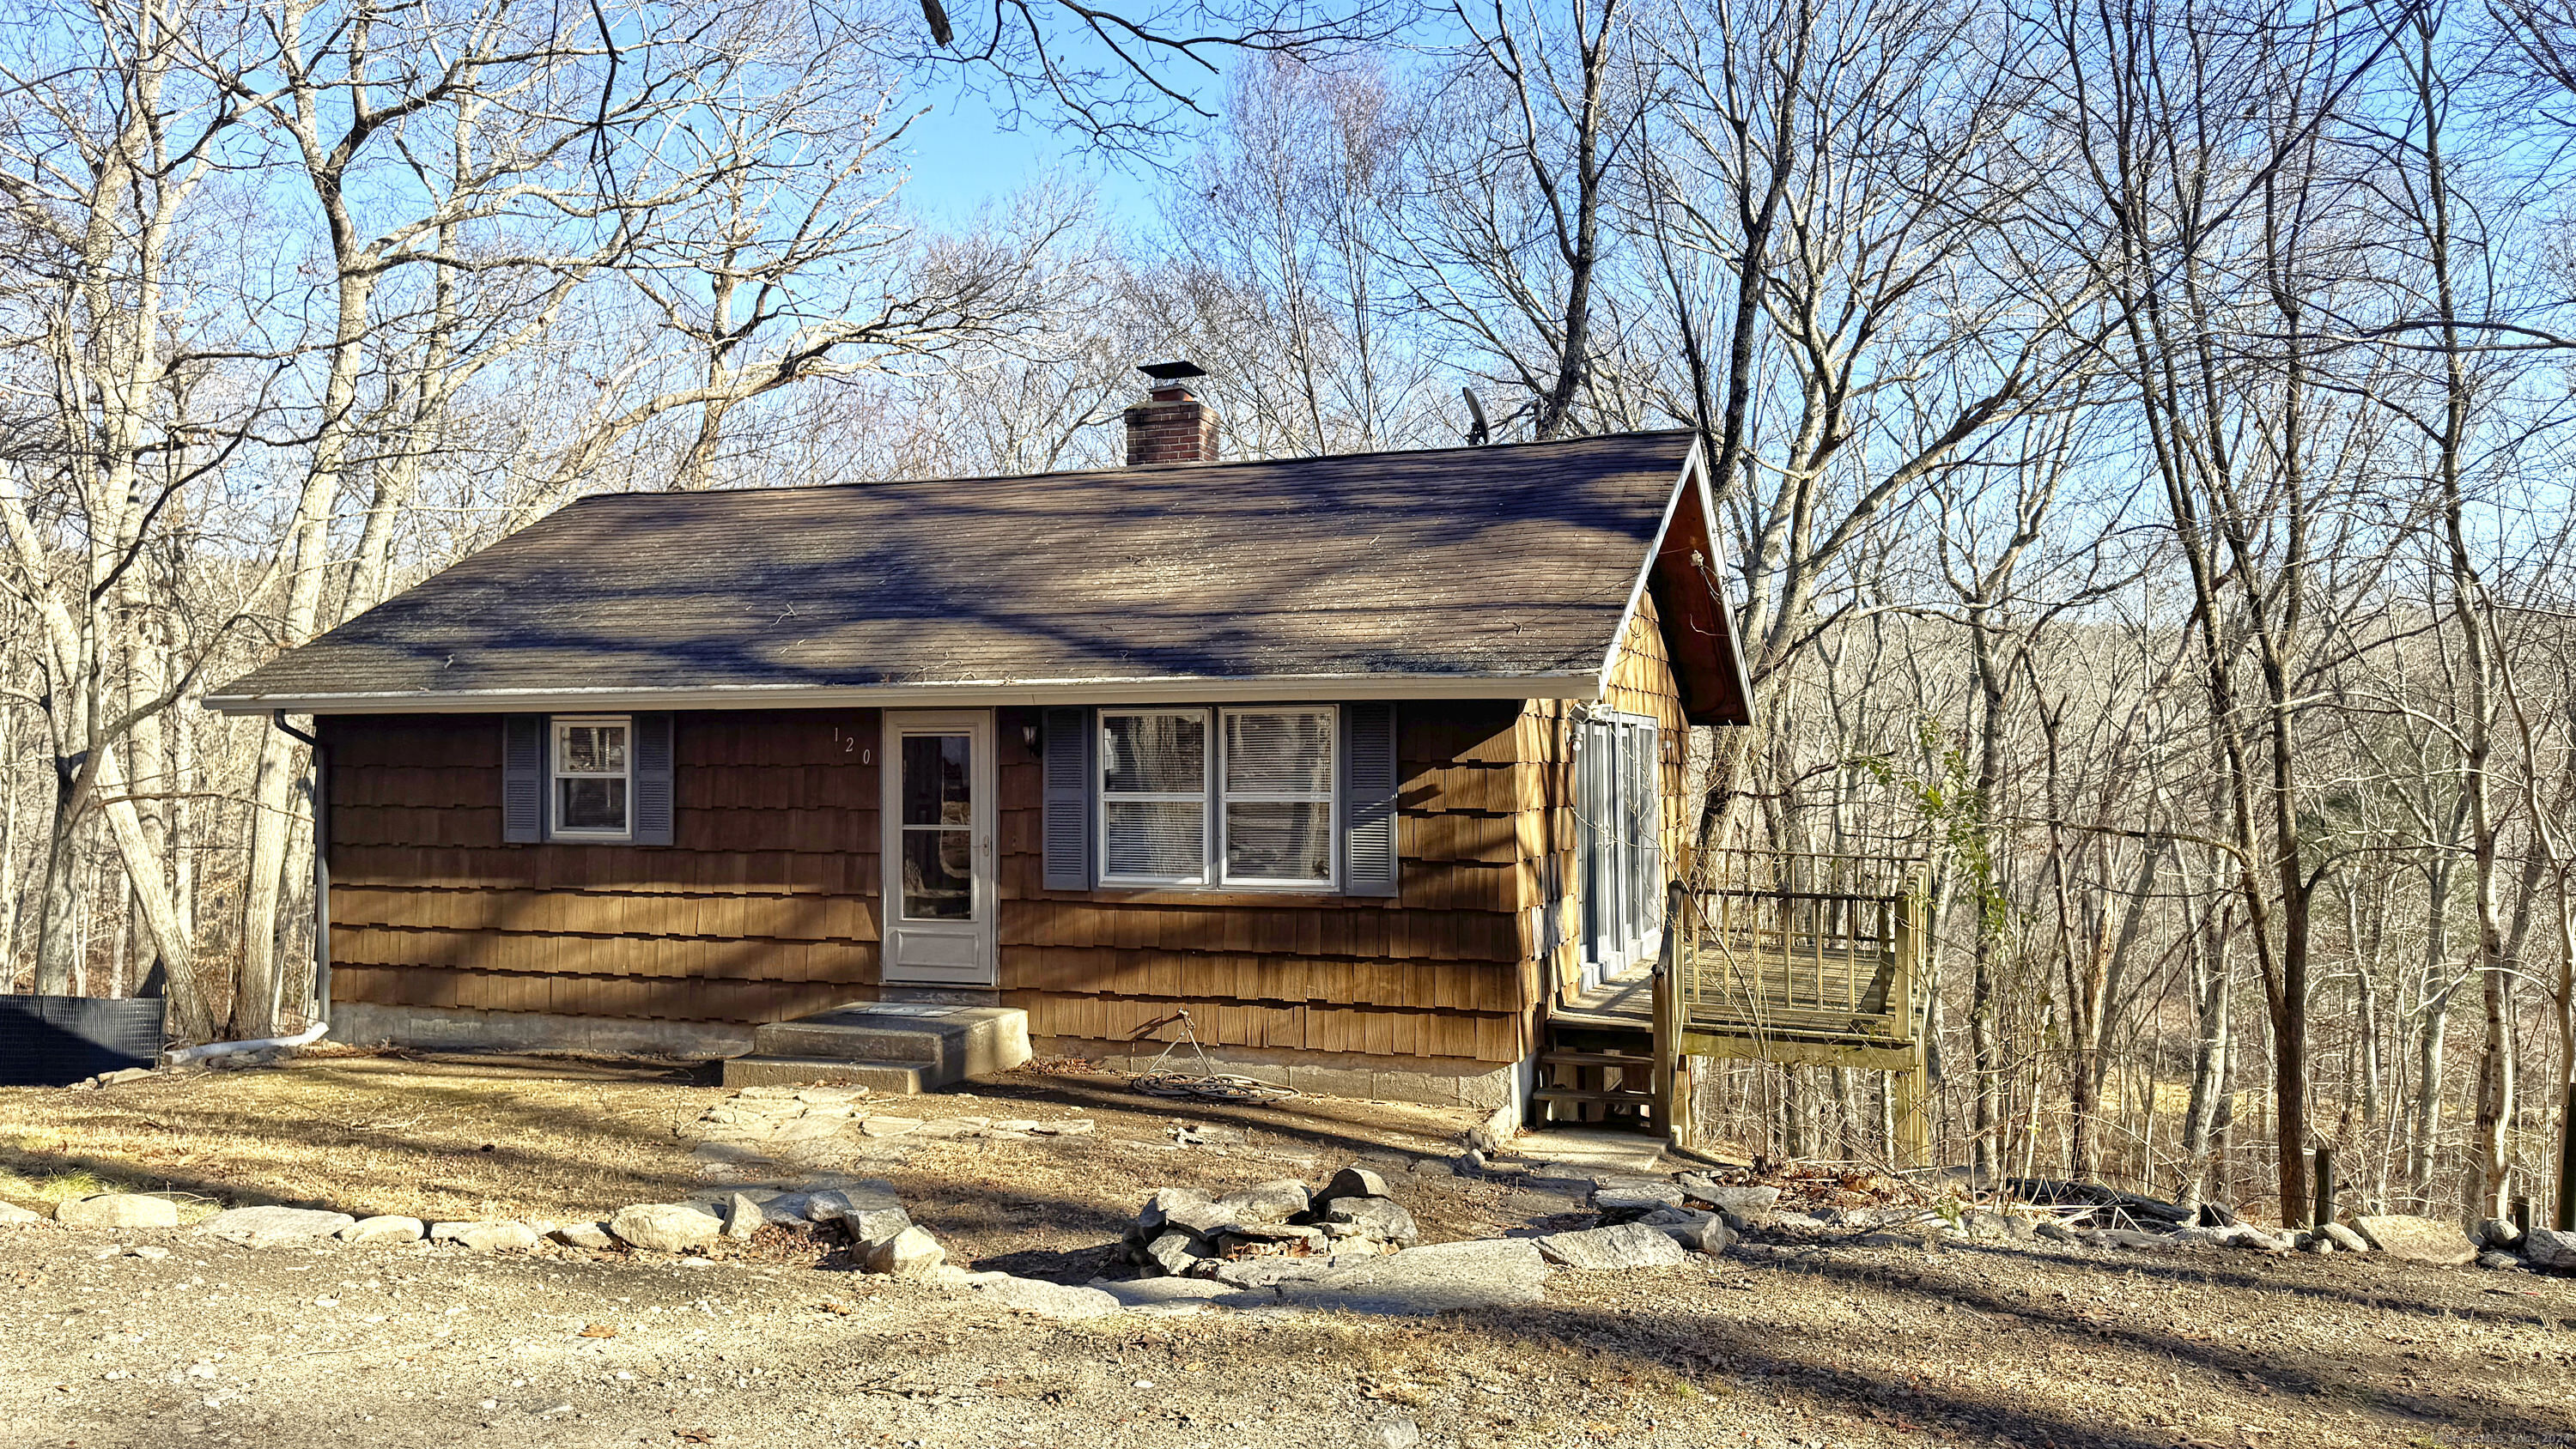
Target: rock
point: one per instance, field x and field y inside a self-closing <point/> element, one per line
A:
<point x="743" y="1218"/>
<point x="862" y="1195"/>
<point x="1271" y="1272"/>
<point x="1150" y="1293"/>
<point x="1201" y="1218"/>
<point x="2549" y="1248"/>
<point x="1174" y="1253"/>
<point x="1728" y="1198"/>
<point x="1381" y="1218"/>
<point x="787" y="1210"/>
<point x="1069" y="1127"/>
<point x="11" y="1215"/>
<point x="1439" y="1278"/>
<point x="1617" y="1198"/>
<point x="260" y="1226"/>
<point x="594" y="1236"/>
<point x="1993" y="1227"/>
<point x="2055" y="1231"/>
<point x="2496" y="1233"/>
<point x="1271" y="1202"/>
<point x="1709" y="1234"/>
<point x="872" y="1226"/>
<point x="1925" y="1241"/>
<point x="2497" y="1259"/>
<point x="1354" y="1182"/>
<point x="2128" y="1238"/>
<point x="666" y="1227"/>
<point x="2246" y="1235"/>
<point x="117" y="1210"/>
<point x="1207" y="1134"/>
<point x="1047" y="1300"/>
<point x="2343" y="1238"/>
<point x="490" y="1237"/>
<point x="1399" y="1434"/>
<point x="1628" y="1245"/>
<point x="2418" y="1240"/>
<point x="1158" y="1208"/>
<point x="888" y="1126"/>
<point x="384" y="1228"/>
<point x="911" y="1253"/>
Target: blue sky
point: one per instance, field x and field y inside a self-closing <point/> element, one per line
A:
<point x="964" y="154"/>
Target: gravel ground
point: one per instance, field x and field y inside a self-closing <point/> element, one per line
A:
<point x="216" y="1344"/>
<point x="143" y="1338"/>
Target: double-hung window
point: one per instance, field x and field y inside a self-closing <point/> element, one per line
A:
<point x="593" y="776"/>
<point x="1153" y="797"/>
<point x="1278" y="797"/>
<point x="1234" y="798"/>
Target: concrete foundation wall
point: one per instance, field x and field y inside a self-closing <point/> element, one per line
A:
<point x="456" y="1029"/>
<point x="1431" y="1081"/>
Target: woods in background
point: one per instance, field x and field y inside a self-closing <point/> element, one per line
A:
<point x="2140" y="430"/>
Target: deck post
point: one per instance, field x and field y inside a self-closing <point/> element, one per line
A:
<point x="1913" y="1134"/>
<point x="1668" y="1017"/>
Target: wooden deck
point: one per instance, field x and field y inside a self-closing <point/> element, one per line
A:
<point x="1800" y="961"/>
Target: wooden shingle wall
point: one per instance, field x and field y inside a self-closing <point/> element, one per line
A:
<point x="1434" y="972"/>
<point x="764" y="905"/>
<point x="1641" y="683"/>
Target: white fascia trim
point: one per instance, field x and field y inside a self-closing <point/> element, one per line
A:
<point x="1646" y="570"/>
<point x="1318" y="688"/>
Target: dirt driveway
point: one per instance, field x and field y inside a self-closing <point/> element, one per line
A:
<point x="168" y="1337"/>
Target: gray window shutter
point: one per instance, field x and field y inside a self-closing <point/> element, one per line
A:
<point x="1067" y="829"/>
<point x="651" y="824"/>
<point x="523" y="778"/>
<point x="1368" y="800"/>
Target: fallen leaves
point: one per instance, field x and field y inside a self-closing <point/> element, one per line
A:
<point x="599" y="1330"/>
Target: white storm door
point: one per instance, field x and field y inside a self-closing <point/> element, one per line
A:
<point x="939" y="863"/>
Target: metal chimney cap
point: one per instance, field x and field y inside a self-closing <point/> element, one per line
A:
<point x="1172" y="371"/>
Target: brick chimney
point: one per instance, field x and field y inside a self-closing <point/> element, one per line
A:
<point x="1171" y="425"/>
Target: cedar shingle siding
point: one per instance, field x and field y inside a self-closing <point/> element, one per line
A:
<point x="765" y="906"/>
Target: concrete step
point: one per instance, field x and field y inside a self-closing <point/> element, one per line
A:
<point x="895" y="1079"/>
<point x="948" y="1043"/>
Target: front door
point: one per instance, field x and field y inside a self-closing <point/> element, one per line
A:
<point x="939" y="862"/>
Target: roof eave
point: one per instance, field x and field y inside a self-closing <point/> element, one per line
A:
<point x="1729" y="655"/>
<point x="1580" y="684"/>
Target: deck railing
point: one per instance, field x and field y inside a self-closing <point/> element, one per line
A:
<point x="1814" y="947"/>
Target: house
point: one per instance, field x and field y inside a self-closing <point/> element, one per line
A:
<point x="1360" y="760"/>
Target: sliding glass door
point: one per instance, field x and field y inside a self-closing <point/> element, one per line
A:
<point x="1619" y="845"/>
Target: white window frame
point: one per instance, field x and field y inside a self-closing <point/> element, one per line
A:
<point x="1103" y="796"/>
<point x="556" y="775"/>
<point x="1329" y="798"/>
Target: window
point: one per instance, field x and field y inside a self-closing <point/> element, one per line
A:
<point x="1278" y="797"/>
<point x="1153" y="797"/>
<point x="592" y="772"/>
<point x="1250" y="807"/>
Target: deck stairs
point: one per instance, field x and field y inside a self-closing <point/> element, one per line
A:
<point x="896" y="1047"/>
<point x="1596" y="1062"/>
<point x="1798" y="960"/>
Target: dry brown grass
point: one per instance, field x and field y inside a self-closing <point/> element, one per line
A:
<point x="496" y="1137"/>
<point x="557" y="1138"/>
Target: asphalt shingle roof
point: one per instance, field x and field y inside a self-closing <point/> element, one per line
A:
<point x="1485" y="563"/>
